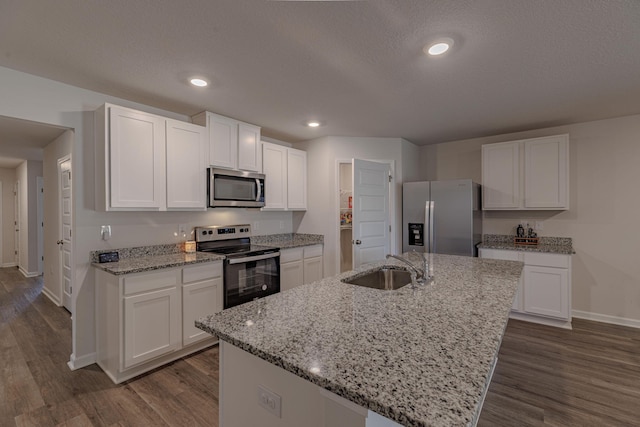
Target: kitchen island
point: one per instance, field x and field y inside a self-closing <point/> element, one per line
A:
<point x="331" y="350"/>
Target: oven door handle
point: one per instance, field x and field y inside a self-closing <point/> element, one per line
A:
<point x="253" y="258"/>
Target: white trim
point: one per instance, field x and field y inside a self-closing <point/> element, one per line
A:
<point x="52" y="297"/>
<point x="605" y="318"/>
<point x="80" y="362"/>
<point x="549" y="321"/>
<point x="27" y="273"/>
<point x="9" y="264"/>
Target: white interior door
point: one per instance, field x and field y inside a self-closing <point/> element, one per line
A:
<point x="16" y="221"/>
<point x="370" y="211"/>
<point x="65" y="241"/>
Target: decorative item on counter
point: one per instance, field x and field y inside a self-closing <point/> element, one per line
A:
<point x="520" y="231"/>
<point x="525" y="236"/>
<point x="190" y="246"/>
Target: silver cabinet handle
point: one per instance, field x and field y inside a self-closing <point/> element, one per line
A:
<point x="357" y="242"/>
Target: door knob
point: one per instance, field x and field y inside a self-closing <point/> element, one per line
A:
<point x="357" y="242"/>
<point x="60" y="242"/>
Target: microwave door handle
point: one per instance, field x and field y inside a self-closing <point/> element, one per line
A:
<point x="259" y="190"/>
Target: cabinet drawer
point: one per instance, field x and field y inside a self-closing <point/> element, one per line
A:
<point x="200" y="272"/>
<point x="290" y="255"/>
<point x="312" y="251"/>
<point x="547" y="260"/>
<point x="149" y="281"/>
<point x="501" y="254"/>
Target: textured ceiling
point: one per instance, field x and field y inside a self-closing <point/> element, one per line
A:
<point x="358" y="66"/>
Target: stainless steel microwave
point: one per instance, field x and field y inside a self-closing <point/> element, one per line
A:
<point x="235" y="189"/>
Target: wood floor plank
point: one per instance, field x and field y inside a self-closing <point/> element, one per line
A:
<point x="588" y="376"/>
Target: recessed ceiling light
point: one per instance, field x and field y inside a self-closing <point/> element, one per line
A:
<point x="313" y="124"/>
<point x="198" y="82"/>
<point x="438" y="47"/>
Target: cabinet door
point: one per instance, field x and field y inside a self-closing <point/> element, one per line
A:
<point x="312" y="269"/>
<point x="152" y="325"/>
<point x="508" y="256"/>
<point x="186" y="168"/>
<point x="223" y="141"/>
<point x="291" y="275"/>
<point x="274" y="166"/>
<point x="501" y="176"/>
<point x="546" y="173"/>
<point x="546" y="291"/>
<point x="137" y="160"/>
<point x="296" y="179"/>
<point x="249" y="152"/>
<point x="199" y="299"/>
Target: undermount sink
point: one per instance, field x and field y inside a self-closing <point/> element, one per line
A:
<point x="384" y="278"/>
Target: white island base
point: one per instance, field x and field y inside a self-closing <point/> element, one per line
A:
<point x="302" y="403"/>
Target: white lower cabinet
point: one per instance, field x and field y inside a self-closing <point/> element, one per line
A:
<point x="544" y="293"/>
<point x="299" y="266"/>
<point x="145" y="320"/>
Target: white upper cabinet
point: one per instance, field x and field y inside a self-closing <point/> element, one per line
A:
<point x="232" y="144"/>
<point x="148" y="162"/>
<point x="531" y="174"/>
<point x="546" y="173"/>
<point x="186" y="167"/>
<point x="274" y="167"/>
<point x="285" y="172"/>
<point x="296" y="179"/>
<point x="501" y="175"/>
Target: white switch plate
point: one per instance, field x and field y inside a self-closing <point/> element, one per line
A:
<point x="281" y="225"/>
<point x="105" y="232"/>
<point x="270" y="401"/>
<point x="182" y="230"/>
<point x="539" y="225"/>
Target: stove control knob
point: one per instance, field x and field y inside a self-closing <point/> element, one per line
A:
<point x="204" y="232"/>
<point x="210" y="232"/>
<point x="264" y="287"/>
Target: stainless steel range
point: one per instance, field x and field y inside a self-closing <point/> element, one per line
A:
<point x="250" y="271"/>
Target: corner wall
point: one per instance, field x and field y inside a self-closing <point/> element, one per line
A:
<point x="323" y="155"/>
<point x="8" y="179"/>
<point x="603" y="219"/>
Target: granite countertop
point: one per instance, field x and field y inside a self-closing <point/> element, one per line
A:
<point x="148" y="258"/>
<point x="552" y="245"/>
<point x="421" y="357"/>
<point x="288" y="240"/>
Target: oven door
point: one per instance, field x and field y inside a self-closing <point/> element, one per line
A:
<point x="249" y="278"/>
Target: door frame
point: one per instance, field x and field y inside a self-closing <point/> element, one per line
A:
<point x="66" y="303"/>
<point x="40" y="220"/>
<point x="392" y="199"/>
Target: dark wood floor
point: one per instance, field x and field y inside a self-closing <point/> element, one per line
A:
<point x="545" y="376"/>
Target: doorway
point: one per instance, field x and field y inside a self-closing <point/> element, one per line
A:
<point x="365" y="213"/>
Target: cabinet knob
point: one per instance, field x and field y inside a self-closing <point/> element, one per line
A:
<point x="60" y="242"/>
<point x="357" y="242"/>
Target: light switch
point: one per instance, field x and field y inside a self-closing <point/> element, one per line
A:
<point x="105" y="232"/>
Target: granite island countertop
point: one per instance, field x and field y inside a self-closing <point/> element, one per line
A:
<point x="420" y="357"/>
<point x="550" y="245"/>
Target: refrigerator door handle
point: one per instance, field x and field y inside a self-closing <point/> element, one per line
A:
<point x="432" y="210"/>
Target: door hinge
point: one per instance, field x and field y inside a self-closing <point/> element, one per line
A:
<point x="42" y="190"/>
<point x="389" y="229"/>
<point x="390" y="177"/>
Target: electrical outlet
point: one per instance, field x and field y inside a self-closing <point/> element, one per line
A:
<point x="281" y="225"/>
<point x="539" y="225"/>
<point x="182" y="230"/>
<point x="105" y="232"/>
<point x="270" y="401"/>
<point x="256" y="225"/>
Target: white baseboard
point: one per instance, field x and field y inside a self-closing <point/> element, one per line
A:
<point x="605" y="318"/>
<point x="80" y="362"/>
<point x="51" y="296"/>
<point x="542" y="320"/>
<point x="8" y="264"/>
<point x="28" y="273"/>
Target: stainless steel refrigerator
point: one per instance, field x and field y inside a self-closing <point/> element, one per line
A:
<point x="441" y="217"/>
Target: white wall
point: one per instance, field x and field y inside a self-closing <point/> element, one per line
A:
<point x="71" y="107"/>
<point x="322" y="158"/>
<point x="8" y="179"/>
<point x="603" y="219"/>
<point x="55" y="150"/>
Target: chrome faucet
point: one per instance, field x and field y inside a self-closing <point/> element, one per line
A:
<point x="422" y="274"/>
